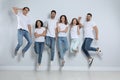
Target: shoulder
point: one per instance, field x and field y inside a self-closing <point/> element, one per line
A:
<point x="43" y="28"/>
<point x="93" y="23"/>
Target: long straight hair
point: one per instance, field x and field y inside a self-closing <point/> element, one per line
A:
<point x="66" y="21"/>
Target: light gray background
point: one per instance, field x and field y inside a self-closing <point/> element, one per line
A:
<point x="106" y="14"/>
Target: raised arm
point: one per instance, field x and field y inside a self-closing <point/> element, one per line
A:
<point x="29" y="28"/>
<point x="15" y="10"/>
<point x="80" y="25"/>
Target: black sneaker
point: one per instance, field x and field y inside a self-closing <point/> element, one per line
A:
<point x="90" y="62"/>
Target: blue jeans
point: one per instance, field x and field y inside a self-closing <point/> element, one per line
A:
<point x="23" y="33"/>
<point x="62" y="46"/>
<point x="38" y="47"/>
<point x="86" y="46"/>
<point x="50" y="42"/>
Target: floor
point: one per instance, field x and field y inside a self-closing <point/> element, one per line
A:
<point x="58" y="75"/>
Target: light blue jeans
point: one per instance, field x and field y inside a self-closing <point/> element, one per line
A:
<point x="62" y="46"/>
<point x="50" y="42"/>
<point x="74" y="45"/>
<point x="23" y="33"/>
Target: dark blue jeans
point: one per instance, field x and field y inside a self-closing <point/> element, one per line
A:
<point x="23" y="33"/>
<point x="50" y="42"/>
<point x="86" y="46"/>
<point x="38" y="47"/>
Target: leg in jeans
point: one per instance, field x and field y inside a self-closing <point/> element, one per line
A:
<point x="36" y="47"/>
<point x="52" y="48"/>
<point x="76" y="44"/>
<point x="60" y="47"/>
<point x="28" y="38"/>
<point x="41" y="47"/>
<point x="65" y="44"/>
<point x="88" y="45"/>
<point x="84" y="48"/>
<point x="72" y="45"/>
<point x="20" y="40"/>
<point x="47" y="40"/>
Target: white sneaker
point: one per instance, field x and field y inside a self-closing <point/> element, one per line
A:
<point x="62" y="63"/>
<point x="38" y="66"/>
<point x="98" y="51"/>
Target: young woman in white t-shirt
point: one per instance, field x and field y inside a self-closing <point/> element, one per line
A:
<point x="75" y="34"/>
<point x="62" y="28"/>
<point x="39" y="34"/>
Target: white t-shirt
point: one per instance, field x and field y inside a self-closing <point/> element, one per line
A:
<point x="23" y="21"/>
<point x="88" y="29"/>
<point x="40" y="31"/>
<point x="74" y="32"/>
<point x="51" y="24"/>
<point x="62" y="27"/>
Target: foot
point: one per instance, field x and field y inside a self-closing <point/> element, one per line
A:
<point x="23" y="54"/>
<point x="15" y="53"/>
<point x="90" y="61"/>
<point x="98" y="51"/>
<point x="76" y="51"/>
<point x="38" y="66"/>
<point x="62" y="63"/>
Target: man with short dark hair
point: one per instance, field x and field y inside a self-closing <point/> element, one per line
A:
<point x="51" y="33"/>
<point x="24" y="28"/>
<point x="90" y="28"/>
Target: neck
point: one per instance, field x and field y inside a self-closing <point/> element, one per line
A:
<point x="88" y="20"/>
<point x="24" y="14"/>
<point x="52" y="18"/>
<point x="74" y="24"/>
<point x="63" y="22"/>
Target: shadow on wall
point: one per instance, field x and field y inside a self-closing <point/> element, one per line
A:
<point x="9" y="20"/>
<point x="6" y="9"/>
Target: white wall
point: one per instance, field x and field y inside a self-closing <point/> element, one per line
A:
<point x="105" y="14"/>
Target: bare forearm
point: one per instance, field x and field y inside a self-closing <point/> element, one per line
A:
<point x="15" y="9"/>
<point x="96" y="32"/>
<point x="29" y="28"/>
<point x="65" y="30"/>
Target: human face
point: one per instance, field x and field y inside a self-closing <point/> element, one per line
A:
<point x="63" y="19"/>
<point x="39" y="24"/>
<point x="53" y="15"/>
<point x="74" y="22"/>
<point x="88" y="18"/>
<point x="25" y="11"/>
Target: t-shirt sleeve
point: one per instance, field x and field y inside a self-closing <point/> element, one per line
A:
<point x="93" y="24"/>
<point x="29" y="21"/>
<point x="43" y="29"/>
<point x="67" y="25"/>
<point x="46" y="23"/>
<point x="35" y="30"/>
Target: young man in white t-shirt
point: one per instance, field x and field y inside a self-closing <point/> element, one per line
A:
<point x="51" y="33"/>
<point x="24" y="28"/>
<point x="90" y="28"/>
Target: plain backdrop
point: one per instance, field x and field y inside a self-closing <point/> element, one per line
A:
<point x="106" y="14"/>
